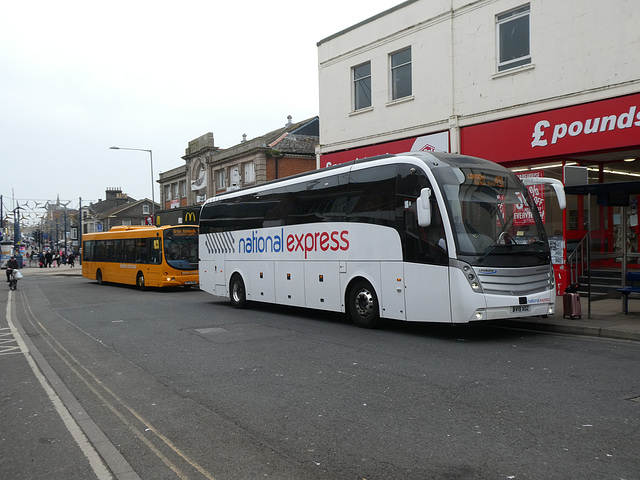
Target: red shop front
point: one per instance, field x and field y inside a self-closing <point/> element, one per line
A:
<point x="603" y="136"/>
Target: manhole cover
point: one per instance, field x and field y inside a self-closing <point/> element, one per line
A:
<point x="210" y="330"/>
<point x="239" y="332"/>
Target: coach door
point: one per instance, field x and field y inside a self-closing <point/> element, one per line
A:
<point x="425" y="254"/>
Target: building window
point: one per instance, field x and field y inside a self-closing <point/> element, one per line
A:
<point x="145" y="209"/>
<point x="126" y="223"/>
<point x="401" y="74"/>
<point x="174" y="191"/>
<point x="513" y="32"/>
<point x="249" y="173"/>
<point x="220" y="180"/>
<point x="234" y="176"/>
<point x="183" y="188"/>
<point x="362" y="86"/>
<point x="167" y="192"/>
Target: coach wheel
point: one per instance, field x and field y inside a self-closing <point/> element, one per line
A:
<point x="99" y="277"/>
<point x="363" y="305"/>
<point x="237" y="293"/>
<point x="140" y="281"/>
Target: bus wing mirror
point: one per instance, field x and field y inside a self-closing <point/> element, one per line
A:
<point x="556" y="184"/>
<point x="423" y="207"/>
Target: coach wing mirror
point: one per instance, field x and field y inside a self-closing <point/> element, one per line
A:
<point x="424" y="207"/>
<point x="555" y="183"/>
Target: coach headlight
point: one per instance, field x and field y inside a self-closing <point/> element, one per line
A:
<point x="469" y="274"/>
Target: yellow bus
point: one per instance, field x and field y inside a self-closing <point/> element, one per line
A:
<point x="144" y="256"/>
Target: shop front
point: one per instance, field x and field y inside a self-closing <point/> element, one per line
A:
<point x="603" y="137"/>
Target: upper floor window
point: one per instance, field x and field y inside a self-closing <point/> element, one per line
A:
<point x="220" y="179"/>
<point x="183" y="188"/>
<point x="249" y="174"/>
<point x="513" y="32"/>
<point x="167" y="192"/>
<point x="401" y="74"/>
<point x="145" y="209"/>
<point x="362" y="86"/>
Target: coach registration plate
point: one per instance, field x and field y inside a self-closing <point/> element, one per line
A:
<point x="190" y="283"/>
<point x="520" y="308"/>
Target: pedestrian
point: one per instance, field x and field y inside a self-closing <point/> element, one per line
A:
<point x="41" y="260"/>
<point x="48" y="257"/>
<point x="11" y="265"/>
<point x="71" y="259"/>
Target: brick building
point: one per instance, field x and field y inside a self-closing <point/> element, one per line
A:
<point x="209" y="169"/>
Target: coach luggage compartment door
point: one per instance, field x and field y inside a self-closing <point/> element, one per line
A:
<point x="427" y="293"/>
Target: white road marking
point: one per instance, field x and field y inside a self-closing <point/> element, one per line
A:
<point x="98" y="466"/>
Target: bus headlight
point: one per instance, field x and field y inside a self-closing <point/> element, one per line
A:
<point x="469" y="274"/>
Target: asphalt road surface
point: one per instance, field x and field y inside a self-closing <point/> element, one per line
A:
<point x="177" y="384"/>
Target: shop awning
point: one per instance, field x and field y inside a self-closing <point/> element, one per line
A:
<point x="613" y="194"/>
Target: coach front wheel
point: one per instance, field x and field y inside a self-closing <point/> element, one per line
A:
<point x="140" y="281"/>
<point x="99" y="277"/>
<point x="237" y="293"/>
<point x="363" y="305"/>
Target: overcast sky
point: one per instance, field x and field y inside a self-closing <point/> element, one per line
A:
<point x="77" y="77"/>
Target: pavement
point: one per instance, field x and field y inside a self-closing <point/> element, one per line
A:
<point x="606" y="319"/>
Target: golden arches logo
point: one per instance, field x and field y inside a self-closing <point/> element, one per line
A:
<point x="189" y="217"/>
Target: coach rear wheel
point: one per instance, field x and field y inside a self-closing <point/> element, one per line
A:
<point x="99" y="277"/>
<point x="363" y="305"/>
<point x="237" y="293"/>
<point x="140" y="281"/>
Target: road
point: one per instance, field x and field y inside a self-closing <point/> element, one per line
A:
<point x="177" y="384"/>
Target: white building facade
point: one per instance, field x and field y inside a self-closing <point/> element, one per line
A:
<point x="566" y="53"/>
<point x="534" y="85"/>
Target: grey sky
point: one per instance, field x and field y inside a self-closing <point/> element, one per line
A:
<point x="77" y="77"/>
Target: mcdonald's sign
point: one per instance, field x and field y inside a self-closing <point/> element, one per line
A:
<point x="190" y="218"/>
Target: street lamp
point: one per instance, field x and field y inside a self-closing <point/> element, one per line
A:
<point x="153" y="199"/>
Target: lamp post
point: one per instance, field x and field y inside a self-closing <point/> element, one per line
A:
<point x="153" y="199"/>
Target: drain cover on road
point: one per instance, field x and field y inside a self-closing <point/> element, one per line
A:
<point x="240" y="332"/>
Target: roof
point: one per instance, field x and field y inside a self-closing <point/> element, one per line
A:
<point x="297" y="138"/>
<point x="364" y="22"/>
<point x="122" y="208"/>
<point x="104" y="205"/>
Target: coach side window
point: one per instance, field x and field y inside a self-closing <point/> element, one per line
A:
<point x="326" y="198"/>
<point x="373" y="193"/>
<point x="212" y="217"/>
<point x="278" y="206"/>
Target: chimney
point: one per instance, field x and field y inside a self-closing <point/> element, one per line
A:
<point x="244" y="138"/>
<point x="289" y="123"/>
